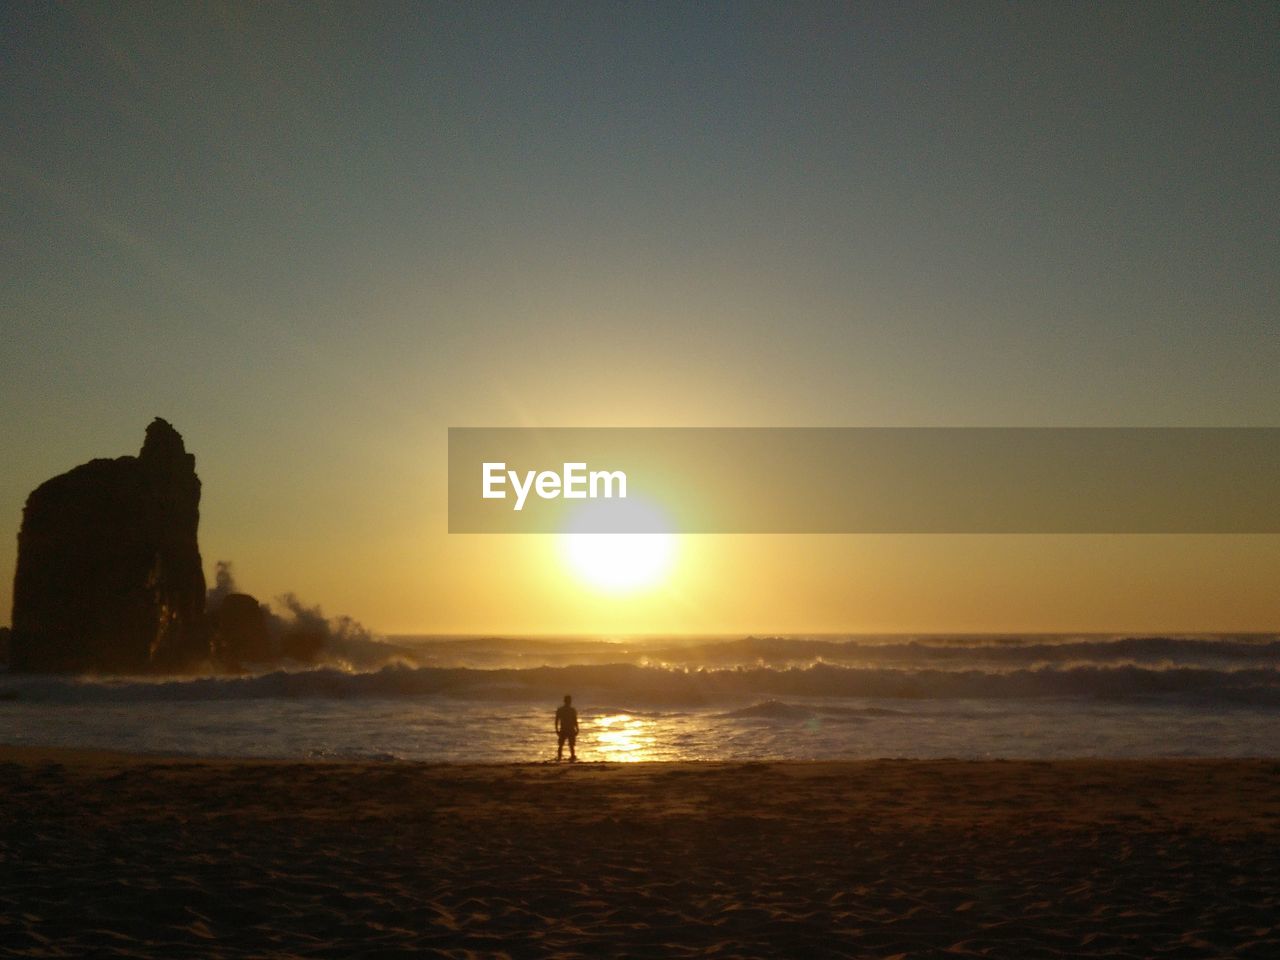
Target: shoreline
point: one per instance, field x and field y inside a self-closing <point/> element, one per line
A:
<point x="30" y="753"/>
<point x="152" y="856"/>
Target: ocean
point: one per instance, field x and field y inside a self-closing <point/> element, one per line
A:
<point x="491" y="700"/>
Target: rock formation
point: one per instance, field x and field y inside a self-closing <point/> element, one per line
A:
<point x="241" y="635"/>
<point x="304" y="639"/>
<point x="109" y="575"/>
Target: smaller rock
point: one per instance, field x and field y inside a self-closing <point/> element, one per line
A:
<point x="303" y="641"/>
<point x="241" y="632"/>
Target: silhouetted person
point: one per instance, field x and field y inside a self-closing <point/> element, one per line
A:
<point x="567" y="729"/>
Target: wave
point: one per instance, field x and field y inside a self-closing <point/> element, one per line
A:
<point x="658" y="686"/>
<point x="979" y="651"/>
<point x="772" y="710"/>
<point x="943" y="652"/>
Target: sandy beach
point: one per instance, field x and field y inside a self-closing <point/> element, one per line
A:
<point x="113" y="855"/>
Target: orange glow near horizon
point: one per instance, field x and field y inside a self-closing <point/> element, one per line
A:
<point x="721" y="584"/>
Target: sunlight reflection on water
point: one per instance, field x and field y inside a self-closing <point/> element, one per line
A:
<point x="623" y="737"/>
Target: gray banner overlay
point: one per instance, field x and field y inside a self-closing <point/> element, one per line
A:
<point x="866" y="480"/>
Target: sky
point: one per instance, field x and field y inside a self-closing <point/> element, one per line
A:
<point x="315" y="236"/>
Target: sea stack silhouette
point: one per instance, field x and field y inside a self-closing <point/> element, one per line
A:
<point x="109" y="577"/>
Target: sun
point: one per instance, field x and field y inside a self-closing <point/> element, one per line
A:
<point x="618" y="563"/>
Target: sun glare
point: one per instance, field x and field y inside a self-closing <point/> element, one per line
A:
<point x="619" y="562"/>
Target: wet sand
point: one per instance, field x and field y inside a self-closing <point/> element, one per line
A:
<point x="110" y="855"/>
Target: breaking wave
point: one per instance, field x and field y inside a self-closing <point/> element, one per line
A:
<point x="983" y="651"/>
<point x="772" y="710"/>
<point x="665" y="686"/>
